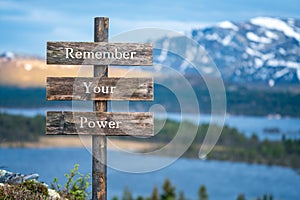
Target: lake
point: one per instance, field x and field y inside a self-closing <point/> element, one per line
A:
<point x="290" y="127"/>
<point x="224" y="180"/>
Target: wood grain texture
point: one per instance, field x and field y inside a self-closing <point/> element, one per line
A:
<point x="76" y="88"/>
<point x="74" y="123"/>
<point x="56" y="53"/>
<point x="99" y="143"/>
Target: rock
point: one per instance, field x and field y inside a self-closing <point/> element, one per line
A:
<point x="53" y="195"/>
<point x="14" y="178"/>
<point x="8" y="178"/>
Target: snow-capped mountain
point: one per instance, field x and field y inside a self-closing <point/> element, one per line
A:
<point x="263" y="49"/>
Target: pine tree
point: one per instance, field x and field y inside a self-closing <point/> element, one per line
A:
<point x="241" y="197"/>
<point x="139" y="198"/>
<point x="168" y="191"/>
<point x="155" y="195"/>
<point x="127" y="194"/>
<point x="265" y="197"/>
<point x="181" y="196"/>
<point x="202" y="193"/>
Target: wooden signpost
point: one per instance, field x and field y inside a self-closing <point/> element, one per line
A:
<point x="99" y="88"/>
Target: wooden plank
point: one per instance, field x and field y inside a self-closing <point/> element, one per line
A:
<point x="75" y="88"/>
<point x="99" y="53"/>
<point x="99" y="123"/>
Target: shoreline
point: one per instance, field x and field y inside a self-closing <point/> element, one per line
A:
<point x="22" y="111"/>
<point x="80" y="142"/>
<point x="112" y="144"/>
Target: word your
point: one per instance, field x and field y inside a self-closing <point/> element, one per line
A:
<point x="100" y="124"/>
<point x="98" y="54"/>
<point x="98" y="89"/>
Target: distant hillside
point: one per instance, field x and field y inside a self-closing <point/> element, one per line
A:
<point x="240" y="100"/>
<point x="29" y="71"/>
<point x="16" y="97"/>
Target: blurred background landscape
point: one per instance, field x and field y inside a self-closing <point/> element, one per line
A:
<point x="256" y="47"/>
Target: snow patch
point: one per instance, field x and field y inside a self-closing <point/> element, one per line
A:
<point x="282" y="63"/>
<point x="298" y="74"/>
<point x="271" y="82"/>
<point x="251" y="51"/>
<point x="189" y="56"/>
<point x="294" y="65"/>
<point x="272" y="35"/>
<point x="213" y="36"/>
<point x="252" y="36"/>
<point x="267" y="56"/>
<point x="282" y="51"/>
<point x="258" y="62"/>
<point x="228" y="25"/>
<point x="291" y="21"/>
<point x="184" y="65"/>
<point x="8" y="55"/>
<point x="164" y="51"/>
<point x="281" y="73"/>
<point x="226" y="41"/>
<point x="262" y="56"/>
<point x="190" y="53"/>
<point x="276" y="24"/>
<point x="207" y="70"/>
<point x="275" y="63"/>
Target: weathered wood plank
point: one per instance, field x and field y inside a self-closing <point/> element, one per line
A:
<point x="75" y="88"/>
<point x="99" y="123"/>
<point x="99" y="53"/>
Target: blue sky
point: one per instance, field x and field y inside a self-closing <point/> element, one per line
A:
<point x="26" y="25"/>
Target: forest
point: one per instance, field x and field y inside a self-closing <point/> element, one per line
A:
<point x="241" y="100"/>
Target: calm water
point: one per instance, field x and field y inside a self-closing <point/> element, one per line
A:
<point x="248" y="125"/>
<point x="290" y="127"/>
<point x="224" y="180"/>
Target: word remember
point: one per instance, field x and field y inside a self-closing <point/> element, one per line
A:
<point x="99" y="54"/>
<point x="84" y="122"/>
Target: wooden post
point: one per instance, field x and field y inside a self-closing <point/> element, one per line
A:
<point x="89" y="53"/>
<point x="99" y="149"/>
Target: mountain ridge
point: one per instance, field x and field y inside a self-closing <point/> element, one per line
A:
<point x="262" y="49"/>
